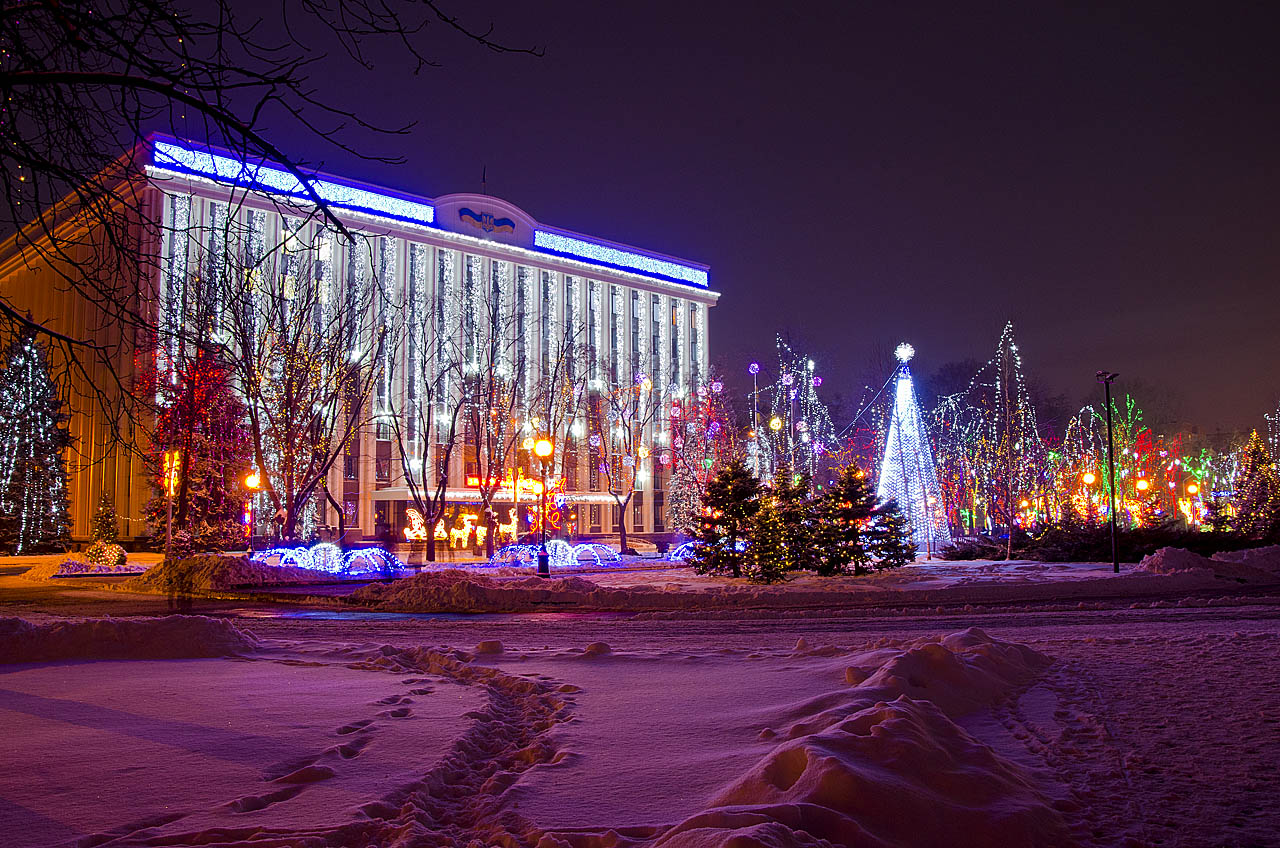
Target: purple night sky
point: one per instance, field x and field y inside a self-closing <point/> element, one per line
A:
<point x="860" y="175"/>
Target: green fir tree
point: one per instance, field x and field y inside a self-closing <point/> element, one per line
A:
<point x="767" y="550"/>
<point x="891" y="540"/>
<point x="840" y="519"/>
<point x="1217" y="514"/>
<point x="1256" y="499"/>
<point x="105" y="524"/>
<point x="795" y="510"/>
<point x="729" y="506"/>
<point x="33" y="442"/>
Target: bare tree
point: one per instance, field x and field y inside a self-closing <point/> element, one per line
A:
<point x="85" y="83"/>
<point x="622" y="419"/>
<point x="426" y="422"/>
<point x="306" y="348"/>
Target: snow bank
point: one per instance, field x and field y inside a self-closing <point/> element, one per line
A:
<point x="888" y="766"/>
<point x="51" y="570"/>
<point x="213" y="573"/>
<point x="171" y="637"/>
<point x="1256" y="565"/>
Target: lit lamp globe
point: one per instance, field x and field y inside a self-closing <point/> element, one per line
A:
<point x="542" y="448"/>
<point x="1143" y="485"/>
<point x="253" y="481"/>
<point x="1088" y="478"/>
<point x="527" y="444"/>
<point x="1192" y="489"/>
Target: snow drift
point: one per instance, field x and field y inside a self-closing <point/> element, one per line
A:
<point x="215" y="573"/>
<point x="882" y="763"/>
<point x="172" y="637"/>
<point x="1256" y="565"/>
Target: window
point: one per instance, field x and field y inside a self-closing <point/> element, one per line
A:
<point x="655" y="339"/>
<point x="385" y="431"/>
<point x="635" y="333"/>
<point x="350" y="467"/>
<point x="382" y="469"/>
<point x="593" y="518"/>
<point x="659" y="512"/>
<point x="637" y="512"/>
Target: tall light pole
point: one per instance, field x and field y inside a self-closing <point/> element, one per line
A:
<point x="172" y="460"/>
<point x="1105" y="378"/>
<point x="543" y="448"/>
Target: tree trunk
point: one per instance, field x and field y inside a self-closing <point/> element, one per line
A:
<point x="622" y="524"/>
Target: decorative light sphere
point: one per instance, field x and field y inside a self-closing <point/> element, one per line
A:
<point x="665" y="459"/>
<point x="595" y="440"/>
<point x="787" y="379"/>
<point x="753" y="368"/>
<point x="904" y="352"/>
<point x="717" y="386"/>
<point x="817" y="381"/>
<point x="775" y="423"/>
<point x="527" y="444"/>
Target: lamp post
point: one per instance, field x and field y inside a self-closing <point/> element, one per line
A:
<point x="252" y="482"/>
<point x="543" y="449"/>
<point x="1105" y="378"/>
<point x="172" y="460"/>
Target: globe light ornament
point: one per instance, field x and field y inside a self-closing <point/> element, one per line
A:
<point x="904" y="352"/>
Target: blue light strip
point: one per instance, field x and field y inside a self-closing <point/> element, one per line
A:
<point x="224" y="169"/>
<point x="625" y="260"/>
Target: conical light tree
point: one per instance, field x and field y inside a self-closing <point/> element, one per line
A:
<point x="907" y="471"/>
<point x="33" y="440"/>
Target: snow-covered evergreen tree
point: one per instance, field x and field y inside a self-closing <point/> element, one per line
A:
<point x="33" y="442"/>
<point x="892" y="542"/>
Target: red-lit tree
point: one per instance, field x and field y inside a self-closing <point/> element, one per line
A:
<point x="202" y="418"/>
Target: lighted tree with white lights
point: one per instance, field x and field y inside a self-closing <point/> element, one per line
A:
<point x="33" y="441"/>
<point x="907" y="471"/>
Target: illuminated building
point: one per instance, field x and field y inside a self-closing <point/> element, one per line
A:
<point x="642" y="312"/>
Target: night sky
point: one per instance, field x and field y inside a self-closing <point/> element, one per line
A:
<point x="867" y="173"/>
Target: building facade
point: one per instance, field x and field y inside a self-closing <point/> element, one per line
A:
<point x="433" y="265"/>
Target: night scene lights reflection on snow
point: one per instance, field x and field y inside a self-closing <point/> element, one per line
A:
<point x="907" y="470"/>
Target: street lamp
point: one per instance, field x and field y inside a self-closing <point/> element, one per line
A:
<point x="1105" y="378"/>
<point x="543" y="449"/>
<point x="252" y="482"/>
<point x="1089" y="478"/>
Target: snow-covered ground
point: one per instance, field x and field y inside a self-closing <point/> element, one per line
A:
<point x="1136" y="718"/>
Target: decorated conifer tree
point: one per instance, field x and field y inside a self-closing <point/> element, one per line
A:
<point x="1256" y="498"/>
<point x="105" y="524"/>
<point x="840" y="518"/>
<point x="204" y="420"/>
<point x="684" y="502"/>
<point x="1217" y="514"/>
<point x="729" y="505"/>
<point x="794" y="508"/>
<point x="767" y="550"/>
<point x="33" y="441"/>
<point x="892" y="541"/>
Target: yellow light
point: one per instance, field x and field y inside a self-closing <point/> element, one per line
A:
<point x="1192" y="488"/>
<point x="253" y="481"/>
<point x="1143" y="485"/>
<point x="172" y="466"/>
<point x="1025" y="504"/>
<point x="542" y="448"/>
<point x="527" y="444"/>
<point x="1089" y="478"/>
<point x="775" y="423"/>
